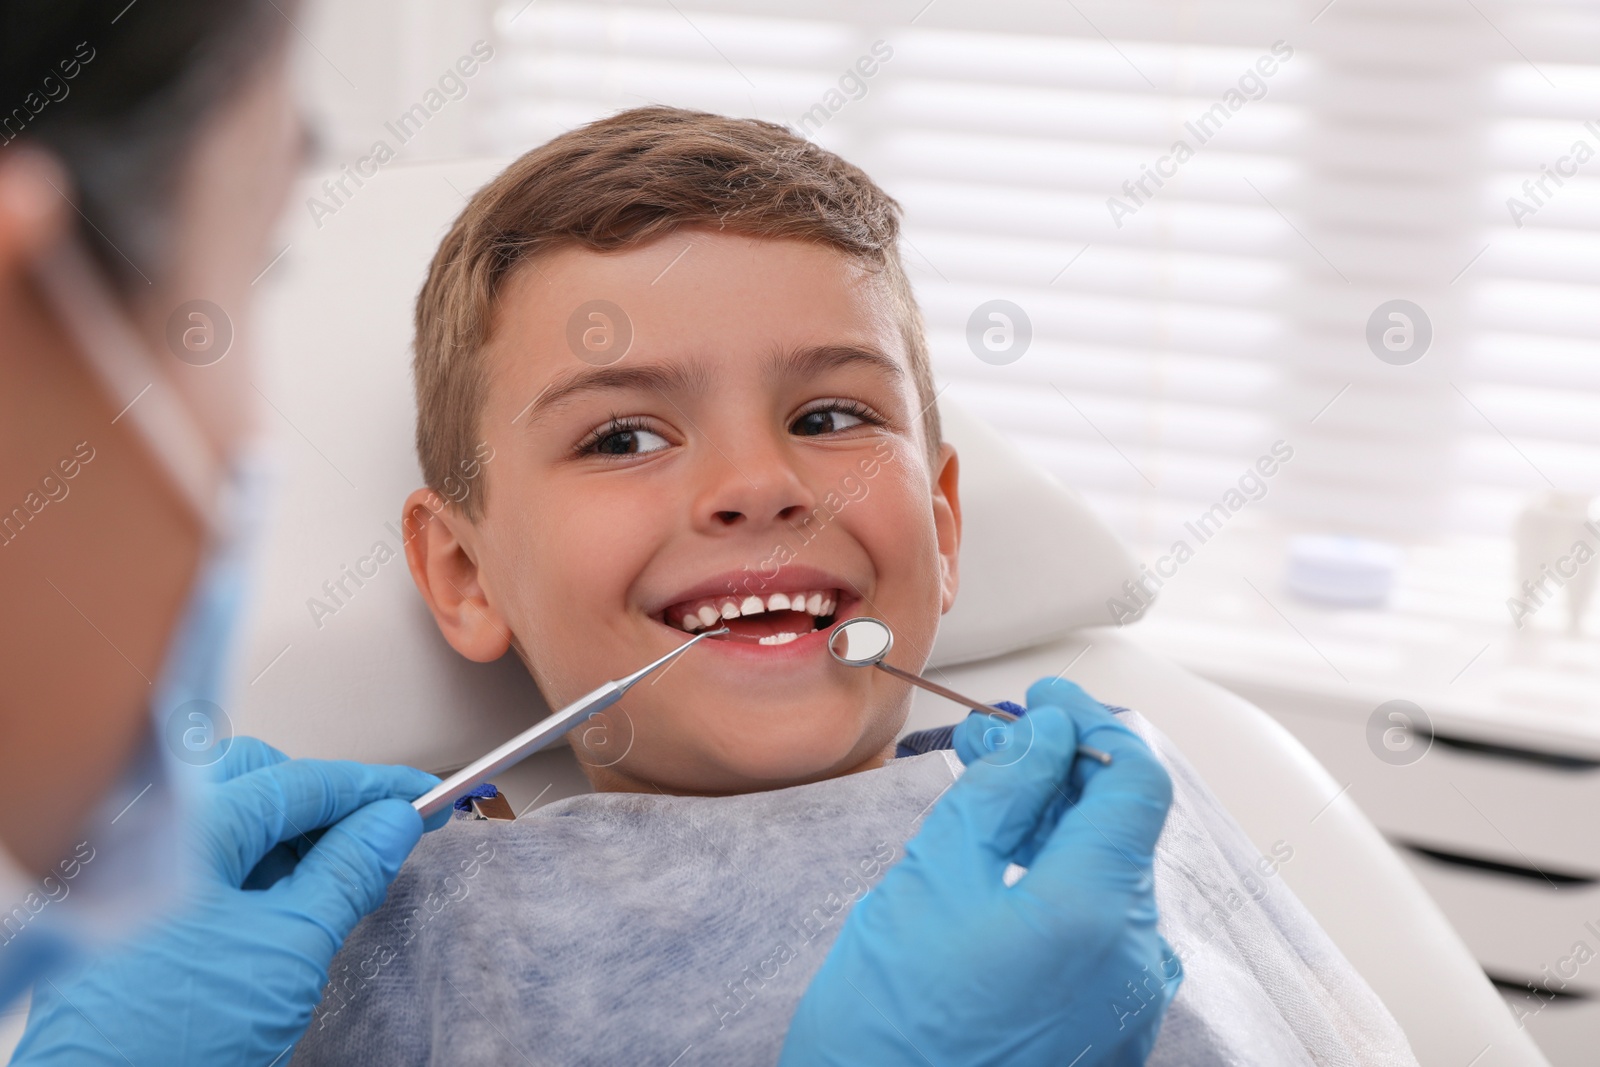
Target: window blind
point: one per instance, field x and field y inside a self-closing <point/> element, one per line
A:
<point x="1188" y="307"/>
<point x="1534" y="366"/>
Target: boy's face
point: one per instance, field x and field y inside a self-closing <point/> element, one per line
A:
<point x="761" y="436"/>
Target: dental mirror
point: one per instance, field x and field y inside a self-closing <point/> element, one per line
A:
<point x="865" y="641"/>
<point x="861" y="642"/>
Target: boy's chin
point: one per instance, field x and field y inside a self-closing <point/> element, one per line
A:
<point x="762" y="770"/>
<point x="751" y="764"/>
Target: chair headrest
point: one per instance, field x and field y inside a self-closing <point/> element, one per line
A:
<point x="343" y="659"/>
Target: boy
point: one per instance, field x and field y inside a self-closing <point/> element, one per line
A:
<point x="776" y="367"/>
<point x="692" y="347"/>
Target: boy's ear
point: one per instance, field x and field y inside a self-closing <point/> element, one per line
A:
<point x="447" y="576"/>
<point x="947" y="521"/>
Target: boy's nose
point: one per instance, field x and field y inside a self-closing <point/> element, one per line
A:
<point x="764" y="503"/>
<point x="732" y="518"/>
<point x="751" y="491"/>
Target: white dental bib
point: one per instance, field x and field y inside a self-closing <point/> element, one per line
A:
<point x="637" y="928"/>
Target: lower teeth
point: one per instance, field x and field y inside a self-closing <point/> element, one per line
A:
<point x="777" y="639"/>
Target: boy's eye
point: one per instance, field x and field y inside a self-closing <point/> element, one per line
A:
<point x="623" y="440"/>
<point x="826" y="420"/>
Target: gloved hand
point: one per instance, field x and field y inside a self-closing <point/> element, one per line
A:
<point x="981" y="735"/>
<point x="943" y="964"/>
<point x="232" y="976"/>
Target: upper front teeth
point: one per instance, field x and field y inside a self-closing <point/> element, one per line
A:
<point x="714" y="609"/>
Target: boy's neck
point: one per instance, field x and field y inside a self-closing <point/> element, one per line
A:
<point x="615" y="780"/>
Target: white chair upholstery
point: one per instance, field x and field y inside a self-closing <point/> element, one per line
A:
<point x="374" y="681"/>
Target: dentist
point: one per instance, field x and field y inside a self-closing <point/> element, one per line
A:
<point x="173" y="914"/>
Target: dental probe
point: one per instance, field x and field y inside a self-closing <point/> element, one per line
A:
<point x="863" y="642"/>
<point x="536" y="737"/>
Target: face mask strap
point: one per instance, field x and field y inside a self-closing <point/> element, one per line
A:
<point x="131" y="378"/>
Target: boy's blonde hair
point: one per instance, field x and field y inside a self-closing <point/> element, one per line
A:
<point x="623" y="181"/>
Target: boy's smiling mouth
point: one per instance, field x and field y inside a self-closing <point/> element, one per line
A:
<point x="790" y="607"/>
<point x="772" y="619"/>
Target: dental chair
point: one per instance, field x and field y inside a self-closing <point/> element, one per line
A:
<point x="366" y="675"/>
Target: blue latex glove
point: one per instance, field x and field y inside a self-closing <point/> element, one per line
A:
<point x="982" y="736"/>
<point x="233" y="975"/>
<point x="943" y="964"/>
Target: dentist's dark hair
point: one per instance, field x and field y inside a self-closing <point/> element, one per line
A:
<point x="116" y="91"/>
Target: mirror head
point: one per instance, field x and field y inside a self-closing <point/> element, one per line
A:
<point x="860" y="642"/>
